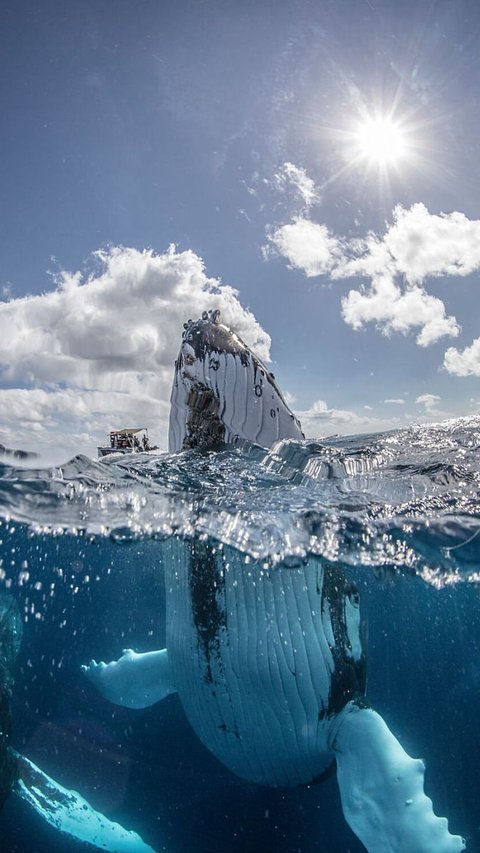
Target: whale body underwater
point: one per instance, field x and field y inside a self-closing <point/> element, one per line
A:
<point x="268" y="663"/>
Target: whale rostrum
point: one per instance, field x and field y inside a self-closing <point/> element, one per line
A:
<point x="222" y="392"/>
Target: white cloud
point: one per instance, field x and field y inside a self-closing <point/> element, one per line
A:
<point x="319" y="411"/>
<point x="394" y="310"/>
<point x="431" y="411"/>
<point x="416" y="246"/>
<point x="397" y="401"/>
<point x="306" y="246"/>
<point x="424" y="244"/>
<point x="465" y="362"/>
<point x="429" y="401"/>
<point x="321" y="420"/>
<point x="97" y="354"/>
<point x="296" y="178"/>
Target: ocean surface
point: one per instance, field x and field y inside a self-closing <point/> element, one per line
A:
<point x="82" y="552"/>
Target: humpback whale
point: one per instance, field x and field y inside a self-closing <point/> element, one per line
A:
<point x="268" y="663"/>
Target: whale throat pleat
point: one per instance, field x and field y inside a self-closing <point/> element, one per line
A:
<point x="251" y="661"/>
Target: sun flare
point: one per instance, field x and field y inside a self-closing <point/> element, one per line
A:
<point x="381" y="141"/>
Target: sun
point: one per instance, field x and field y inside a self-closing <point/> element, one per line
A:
<point x="381" y="146"/>
<point x="381" y="141"/>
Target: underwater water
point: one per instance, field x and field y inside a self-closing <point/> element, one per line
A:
<point x="83" y="550"/>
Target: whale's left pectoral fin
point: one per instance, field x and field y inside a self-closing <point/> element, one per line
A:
<point x="68" y="812"/>
<point x="134" y="680"/>
<point x="381" y="789"/>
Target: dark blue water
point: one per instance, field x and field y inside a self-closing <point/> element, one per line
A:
<point x="82" y="552"/>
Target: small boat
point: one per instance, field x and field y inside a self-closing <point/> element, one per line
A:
<point x="130" y="440"/>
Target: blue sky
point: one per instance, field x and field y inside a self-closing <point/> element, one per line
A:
<point x="234" y="131"/>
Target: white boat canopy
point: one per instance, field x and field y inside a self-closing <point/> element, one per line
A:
<point x="128" y="431"/>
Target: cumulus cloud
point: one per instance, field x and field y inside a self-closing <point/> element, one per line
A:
<point x="415" y="247"/>
<point x="319" y="411"/>
<point x="306" y="246"/>
<point x="320" y="420"/>
<point x="418" y="245"/>
<point x="395" y="310"/>
<point x="429" y="401"/>
<point x="296" y="178"/>
<point x="97" y="352"/>
<point x="463" y="362"/>
<point x="423" y="244"/>
<point x="431" y="410"/>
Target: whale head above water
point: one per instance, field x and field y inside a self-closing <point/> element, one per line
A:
<point x="222" y="392"/>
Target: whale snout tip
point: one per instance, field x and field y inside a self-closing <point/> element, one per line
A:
<point x="208" y="319"/>
<point x="213" y="316"/>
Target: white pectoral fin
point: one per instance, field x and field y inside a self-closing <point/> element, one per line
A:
<point x="68" y="812"/>
<point x="134" y="680"/>
<point x="381" y="789"/>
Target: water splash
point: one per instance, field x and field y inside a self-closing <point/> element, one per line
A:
<point x="405" y="500"/>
